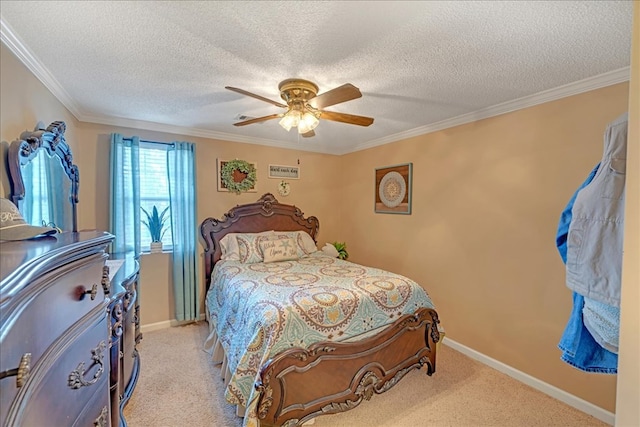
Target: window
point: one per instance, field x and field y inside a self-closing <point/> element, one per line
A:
<point x="145" y="174"/>
<point x="154" y="189"/>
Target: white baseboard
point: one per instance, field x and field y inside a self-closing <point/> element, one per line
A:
<point x="555" y="392"/>
<point x="166" y="324"/>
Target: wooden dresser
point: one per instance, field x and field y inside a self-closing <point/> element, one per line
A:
<point x="67" y="332"/>
<point x="125" y="311"/>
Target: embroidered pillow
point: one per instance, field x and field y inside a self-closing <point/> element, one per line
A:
<point x="278" y="250"/>
<point x="304" y="243"/>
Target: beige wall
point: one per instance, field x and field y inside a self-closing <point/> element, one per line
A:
<point x="486" y="202"/>
<point x="25" y="101"/>
<point x="628" y="390"/>
<point x="156" y="295"/>
<point x="487" y="197"/>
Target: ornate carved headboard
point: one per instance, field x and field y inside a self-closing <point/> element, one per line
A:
<point x="265" y="214"/>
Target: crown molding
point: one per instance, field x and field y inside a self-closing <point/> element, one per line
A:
<point x="15" y="45"/>
<point x="591" y="83"/>
<point x="201" y="133"/>
<point x="13" y="42"/>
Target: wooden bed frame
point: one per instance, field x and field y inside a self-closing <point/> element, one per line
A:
<point x="329" y="377"/>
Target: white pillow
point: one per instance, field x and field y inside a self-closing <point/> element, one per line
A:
<point x="229" y="248"/>
<point x="330" y="250"/>
<point x="308" y="245"/>
<point x="278" y="250"/>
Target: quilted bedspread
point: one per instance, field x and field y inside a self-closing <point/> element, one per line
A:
<point x="258" y="310"/>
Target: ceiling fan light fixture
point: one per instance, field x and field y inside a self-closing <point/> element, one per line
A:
<point x="308" y="122"/>
<point x="305" y="108"/>
<point x="290" y="120"/>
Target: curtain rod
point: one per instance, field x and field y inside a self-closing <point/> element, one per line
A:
<point x="151" y="142"/>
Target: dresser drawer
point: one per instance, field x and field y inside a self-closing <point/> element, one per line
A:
<point x="68" y="377"/>
<point x="97" y="412"/>
<point x="46" y="308"/>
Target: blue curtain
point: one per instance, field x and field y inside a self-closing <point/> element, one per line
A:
<point x="125" y="194"/>
<point x="184" y="228"/>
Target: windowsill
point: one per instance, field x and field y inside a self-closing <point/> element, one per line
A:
<point x="146" y="253"/>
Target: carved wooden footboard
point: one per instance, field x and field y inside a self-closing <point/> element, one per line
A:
<point x="329" y="377"/>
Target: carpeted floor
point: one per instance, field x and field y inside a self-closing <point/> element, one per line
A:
<point x="178" y="386"/>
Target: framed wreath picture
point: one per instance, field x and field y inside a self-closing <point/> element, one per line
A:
<point x="393" y="189"/>
<point x="237" y="176"/>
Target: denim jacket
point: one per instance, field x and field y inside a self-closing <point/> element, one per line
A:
<point x="579" y="349"/>
<point x="594" y="243"/>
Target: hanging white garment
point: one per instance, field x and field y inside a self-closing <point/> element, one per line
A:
<point x="594" y="244"/>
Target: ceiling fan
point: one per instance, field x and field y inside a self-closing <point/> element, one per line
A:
<point x="305" y="107"/>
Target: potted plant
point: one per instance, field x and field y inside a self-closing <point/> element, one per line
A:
<point x="156" y="225"/>
<point x="341" y="247"/>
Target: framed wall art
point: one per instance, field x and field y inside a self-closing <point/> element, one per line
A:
<point x="393" y="189"/>
<point x="237" y="176"/>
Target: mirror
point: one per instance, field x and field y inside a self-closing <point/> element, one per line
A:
<point x="44" y="180"/>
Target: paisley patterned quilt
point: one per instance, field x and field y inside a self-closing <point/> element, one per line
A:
<point x="259" y="310"/>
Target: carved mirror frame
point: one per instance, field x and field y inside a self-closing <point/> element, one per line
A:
<point x="23" y="150"/>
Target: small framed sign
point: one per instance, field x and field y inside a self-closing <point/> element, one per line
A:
<point x="288" y="172"/>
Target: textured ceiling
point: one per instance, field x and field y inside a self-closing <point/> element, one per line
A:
<point x="420" y="65"/>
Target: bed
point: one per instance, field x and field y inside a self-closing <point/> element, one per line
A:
<point x="299" y="333"/>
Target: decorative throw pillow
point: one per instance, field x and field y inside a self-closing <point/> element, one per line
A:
<point x="279" y="250"/>
<point x="304" y="242"/>
<point x="249" y="246"/>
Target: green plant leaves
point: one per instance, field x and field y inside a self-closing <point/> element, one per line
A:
<point x="341" y="247"/>
<point x="156" y="223"/>
<point x="243" y="166"/>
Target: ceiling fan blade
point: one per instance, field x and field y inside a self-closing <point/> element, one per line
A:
<point x="258" y="120"/>
<point x="346" y="118"/>
<point x="253" y="95"/>
<point x="343" y="93"/>
<point x="308" y="134"/>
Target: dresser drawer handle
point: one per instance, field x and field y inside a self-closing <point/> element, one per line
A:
<point x="102" y="420"/>
<point x="21" y="372"/>
<point x="106" y="283"/>
<point x="76" y="377"/>
<point x="81" y="292"/>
